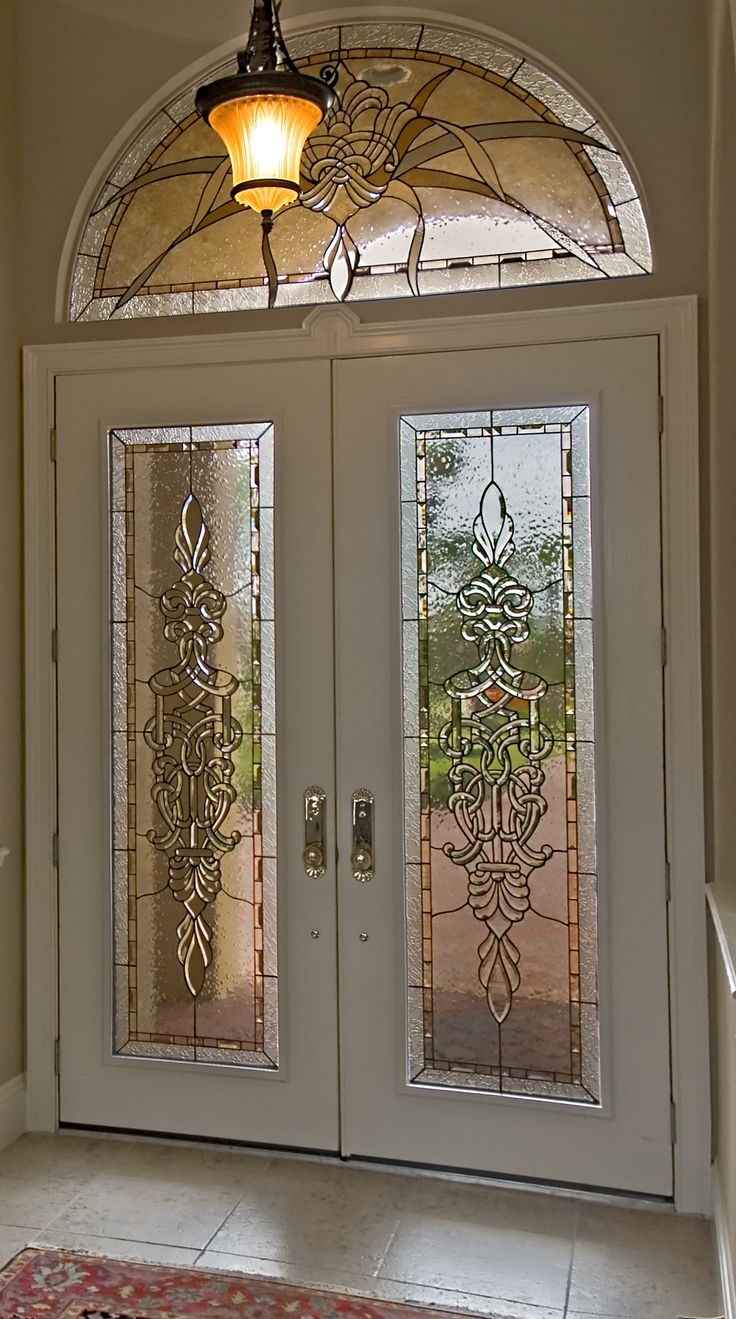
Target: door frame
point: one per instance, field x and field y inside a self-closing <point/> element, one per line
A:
<point x="335" y="333"/>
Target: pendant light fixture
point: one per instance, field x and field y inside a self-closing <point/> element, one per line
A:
<point x="264" y="114"/>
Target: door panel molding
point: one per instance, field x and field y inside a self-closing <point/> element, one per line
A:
<point x="329" y="333"/>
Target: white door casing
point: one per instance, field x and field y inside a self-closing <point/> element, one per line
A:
<point x="338" y="334"/>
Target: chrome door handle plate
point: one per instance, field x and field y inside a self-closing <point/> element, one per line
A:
<point x="361" y="859"/>
<point x="315" y="850"/>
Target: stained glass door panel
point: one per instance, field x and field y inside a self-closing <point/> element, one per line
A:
<point x="498" y="578"/>
<point x="185" y="583"/>
<point x="499" y="752"/>
<point x="193" y="755"/>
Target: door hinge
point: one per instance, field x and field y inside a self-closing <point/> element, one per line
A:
<point x="52" y="443"/>
<point x="667" y="882"/>
<point x="54" y="647"/>
<point x="661" y="414"/>
<point x="673" y="1121"/>
<point x="55" y="850"/>
<point x="57" y="1057"/>
<point x="664" y="647"/>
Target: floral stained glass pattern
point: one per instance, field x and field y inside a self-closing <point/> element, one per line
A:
<point x="193" y="744"/>
<point x="448" y="164"/>
<point x="499" y="753"/>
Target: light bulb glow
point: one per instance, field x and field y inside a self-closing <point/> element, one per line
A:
<point x="265" y="136"/>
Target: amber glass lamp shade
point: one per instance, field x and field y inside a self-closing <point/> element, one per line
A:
<point x="265" y="136"/>
<point x="264" y="114"/>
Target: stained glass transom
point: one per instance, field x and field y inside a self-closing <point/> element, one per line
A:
<point x="499" y="753"/>
<point x="193" y="744"/>
<point x="449" y="164"/>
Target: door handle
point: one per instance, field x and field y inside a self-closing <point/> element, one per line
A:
<point x="315" y="847"/>
<point x="361" y="858"/>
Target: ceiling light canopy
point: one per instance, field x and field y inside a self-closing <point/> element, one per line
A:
<point x="264" y="115"/>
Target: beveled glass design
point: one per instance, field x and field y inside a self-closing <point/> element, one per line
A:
<point x="447" y="164"/>
<point x="193" y="744"/>
<point x="499" y="772"/>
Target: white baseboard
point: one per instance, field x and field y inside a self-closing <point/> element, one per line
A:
<point x="723" y="1248"/>
<point x="12" y="1110"/>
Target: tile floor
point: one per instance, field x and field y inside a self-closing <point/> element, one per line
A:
<point x="451" y="1242"/>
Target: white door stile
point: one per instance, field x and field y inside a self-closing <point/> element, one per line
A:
<point x="99" y="1088"/>
<point x="626" y="1143"/>
<point x="338" y="334"/>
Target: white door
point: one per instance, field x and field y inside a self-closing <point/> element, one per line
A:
<point x="495" y="769"/>
<point x="510" y="549"/>
<point x="213" y="1011"/>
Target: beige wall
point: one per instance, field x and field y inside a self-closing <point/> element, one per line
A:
<point x="11" y="917"/>
<point x="722" y="335"/>
<point x="722" y="536"/>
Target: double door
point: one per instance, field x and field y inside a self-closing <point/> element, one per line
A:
<point x="360" y="758"/>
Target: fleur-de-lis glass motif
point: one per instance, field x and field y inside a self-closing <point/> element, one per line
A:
<point x="193" y="734"/>
<point x="496" y="741"/>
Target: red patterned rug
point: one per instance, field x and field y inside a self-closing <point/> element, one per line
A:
<point x="55" y="1284"/>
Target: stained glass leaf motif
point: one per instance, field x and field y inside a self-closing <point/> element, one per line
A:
<point x="499" y="770"/>
<point x="488" y="185"/>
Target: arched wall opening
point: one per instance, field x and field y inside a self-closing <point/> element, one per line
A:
<point x="454" y="162"/>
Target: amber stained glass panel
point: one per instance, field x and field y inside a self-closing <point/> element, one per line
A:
<point x="447" y="164"/>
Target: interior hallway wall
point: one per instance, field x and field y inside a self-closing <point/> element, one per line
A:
<point x="722" y="535"/>
<point x="11" y="765"/>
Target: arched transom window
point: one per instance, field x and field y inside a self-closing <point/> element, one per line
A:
<point x="448" y="164"/>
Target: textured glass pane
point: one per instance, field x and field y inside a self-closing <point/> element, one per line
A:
<point x="476" y="50"/>
<point x="375" y="35"/>
<point x="449" y="164"/>
<point x="499" y="775"/>
<point x="635" y="233"/>
<point x="555" y="97"/>
<point x="192" y="699"/>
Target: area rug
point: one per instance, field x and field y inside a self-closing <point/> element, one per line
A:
<point x="55" y="1284"/>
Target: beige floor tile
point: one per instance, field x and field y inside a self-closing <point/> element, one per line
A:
<point x="173" y="1195"/>
<point x="474" y="1248"/>
<point x="314" y="1214"/>
<point x="12" y="1239"/>
<point x="491" y="1260"/>
<point x="112" y="1248"/>
<point x="631" y="1263"/>
<point x="163" y="1209"/>
<point x="427" y="1204"/>
<point x="177" y="1162"/>
<point x="297" y="1275"/>
<point x="39" y="1177"/>
<point x="382" y="1289"/>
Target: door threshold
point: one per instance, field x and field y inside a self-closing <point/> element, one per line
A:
<point x="397" y="1167"/>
